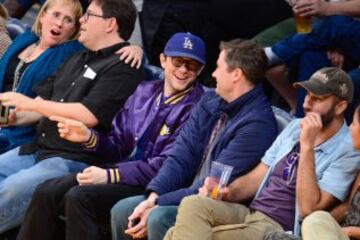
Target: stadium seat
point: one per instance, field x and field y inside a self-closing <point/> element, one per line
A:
<point x="16" y="27"/>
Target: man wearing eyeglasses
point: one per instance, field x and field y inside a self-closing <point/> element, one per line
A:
<point x="89" y="87"/>
<point x="233" y="125"/>
<point x="309" y="167"/>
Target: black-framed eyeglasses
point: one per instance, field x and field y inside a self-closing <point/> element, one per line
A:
<point x="190" y="65"/>
<point x="291" y="163"/>
<point x="87" y="15"/>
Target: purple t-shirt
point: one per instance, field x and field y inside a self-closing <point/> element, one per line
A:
<point x="277" y="199"/>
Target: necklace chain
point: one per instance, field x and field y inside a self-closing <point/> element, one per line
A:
<point x="20" y="65"/>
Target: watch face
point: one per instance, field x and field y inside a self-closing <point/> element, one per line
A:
<point x="4" y="113"/>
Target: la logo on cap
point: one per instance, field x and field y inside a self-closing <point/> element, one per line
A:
<point x="187" y="43"/>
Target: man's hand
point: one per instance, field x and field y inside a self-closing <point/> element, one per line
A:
<point x="91" y="176"/>
<point x="352" y="231"/>
<point x="131" y="54"/>
<point x="311" y="126"/>
<point x="310" y="8"/>
<point x="336" y="58"/>
<point x="140" y="216"/>
<point x="209" y="188"/>
<point x="17" y="100"/>
<point x="205" y="189"/>
<point x="72" y="130"/>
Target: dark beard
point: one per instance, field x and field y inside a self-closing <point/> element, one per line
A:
<point x="327" y="118"/>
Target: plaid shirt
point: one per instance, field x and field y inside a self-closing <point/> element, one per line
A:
<point x="5" y="40"/>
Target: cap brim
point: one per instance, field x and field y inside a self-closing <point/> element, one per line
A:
<point x="182" y="54"/>
<point x="313" y="87"/>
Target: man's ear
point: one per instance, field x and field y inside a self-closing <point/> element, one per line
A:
<point x="341" y="107"/>
<point x="237" y="74"/>
<point x="111" y="25"/>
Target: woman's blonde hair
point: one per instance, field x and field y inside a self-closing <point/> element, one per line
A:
<point x="36" y="28"/>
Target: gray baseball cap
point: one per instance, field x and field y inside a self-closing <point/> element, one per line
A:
<point x="329" y="80"/>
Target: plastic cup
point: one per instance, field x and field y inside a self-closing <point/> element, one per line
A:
<point x="303" y="24"/>
<point x="218" y="178"/>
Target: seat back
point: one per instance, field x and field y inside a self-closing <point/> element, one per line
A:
<point x="16" y="27"/>
<point x="282" y="118"/>
<point x="153" y="72"/>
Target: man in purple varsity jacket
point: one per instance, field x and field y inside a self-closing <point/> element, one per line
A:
<point x="143" y="132"/>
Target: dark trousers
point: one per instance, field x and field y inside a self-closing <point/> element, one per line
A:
<point x="85" y="208"/>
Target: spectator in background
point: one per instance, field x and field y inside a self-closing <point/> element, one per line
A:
<point x="315" y="9"/>
<point x="310" y="52"/>
<point x="297" y="50"/>
<point x="5" y="40"/>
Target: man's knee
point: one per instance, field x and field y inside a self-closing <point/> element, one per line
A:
<point x="162" y="216"/>
<point x="43" y="192"/>
<point x="192" y="203"/>
<point x="160" y="220"/>
<point x="75" y="197"/>
<point x="14" y="188"/>
<point x="122" y="209"/>
<point x="155" y="219"/>
<point x="118" y="214"/>
<point x="315" y="218"/>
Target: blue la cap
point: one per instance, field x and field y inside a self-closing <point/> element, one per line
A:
<point x="186" y="45"/>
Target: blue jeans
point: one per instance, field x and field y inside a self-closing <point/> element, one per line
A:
<point x="159" y="221"/>
<point x="19" y="176"/>
<point x="307" y="52"/>
<point x="5" y="144"/>
<point x="337" y="31"/>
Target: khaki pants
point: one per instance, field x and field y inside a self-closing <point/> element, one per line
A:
<point x="204" y="218"/>
<point x="321" y="225"/>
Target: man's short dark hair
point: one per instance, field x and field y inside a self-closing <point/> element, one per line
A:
<point x="248" y="56"/>
<point x="124" y="11"/>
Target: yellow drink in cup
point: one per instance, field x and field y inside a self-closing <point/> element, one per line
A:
<point x="215" y="192"/>
<point x="303" y="24"/>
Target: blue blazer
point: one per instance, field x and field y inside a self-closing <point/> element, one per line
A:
<point x="249" y="132"/>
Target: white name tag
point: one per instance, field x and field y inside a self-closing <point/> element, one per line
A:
<point x="89" y="73"/>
